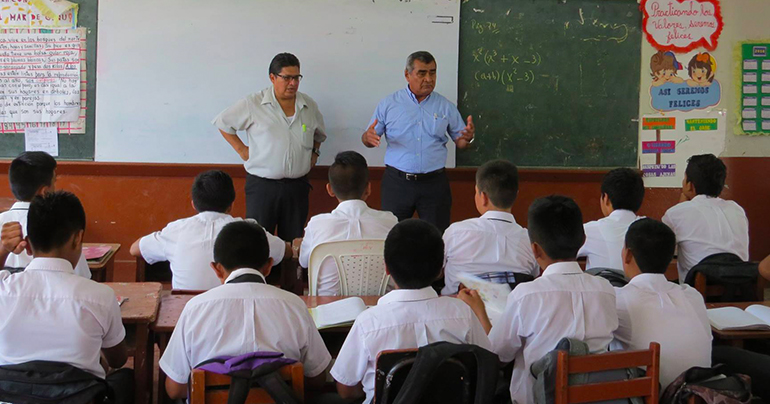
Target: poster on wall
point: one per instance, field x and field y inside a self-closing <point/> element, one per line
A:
<point x="754" y="90"/>
<point x="684" y="82"/>
<point x="667" y="141"/>
<point x="37" y="14"/>
<point x="682" y="25"/>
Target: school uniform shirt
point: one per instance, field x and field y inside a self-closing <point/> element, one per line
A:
<point x="240" y="318"/>
<point x="493" y="242"/>
<point x="652" y="309"/>
<point x="403" y="319"/>
<point x="278" y="147"/>
<point x="564" y="302"/>
<point x="605" y="239"/>
<point x="351" y="220"/>
<point x="188" y="244"/>
<point x="18" y="213"/>
<point x="51" y="314"/>
<point x="706" y="226"/>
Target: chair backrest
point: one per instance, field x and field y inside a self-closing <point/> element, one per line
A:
<point x="714" y="292"/>
<point x="212" y="388"/>
<point x="647" y="386"/>
<point x="360" y="265"/>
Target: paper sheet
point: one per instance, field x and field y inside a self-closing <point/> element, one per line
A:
<point x="42" y="139"/>
<point x="50" y="14"/>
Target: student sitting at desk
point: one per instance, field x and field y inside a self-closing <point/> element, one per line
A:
<point x="243" y="315"/>
<point x="31" y="174"/>
<point x="188" y="244"/>
<point x="652" y="309"/>
<point x="492" y="246"/>
<point x="411" y="316"/>
<point x="352" y="220"/>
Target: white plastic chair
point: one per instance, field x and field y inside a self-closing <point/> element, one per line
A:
<point x="360" y="265"/>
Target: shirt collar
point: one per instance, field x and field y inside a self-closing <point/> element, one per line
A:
<point x="269" y="98"/>
<point x="704" y="198"/>
<point x="656" y="282"/>
<point x="620" y="214"/>
<point x="20" y="206"/>
<point x="414" y="97"/>
<point x="408" y="295"/>
<point x="352" y="205"/>
<point x="563" y="268"/>
<point x="244" y="271"/>
<point x="50" y="264"/>
<point x="211" y="215"/>
<point x="499" y="216"/>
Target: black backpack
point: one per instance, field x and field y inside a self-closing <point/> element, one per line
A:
<point x="41" y="382"/>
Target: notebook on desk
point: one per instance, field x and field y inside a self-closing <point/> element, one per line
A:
<point x="339" y="313"/>
<point x="95" y="252"/>
<point x="755" y="318"/>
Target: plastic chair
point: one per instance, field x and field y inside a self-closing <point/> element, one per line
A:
<point x="360" y="266"/>
<point x="211" y="388"/>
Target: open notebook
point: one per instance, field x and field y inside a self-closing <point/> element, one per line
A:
<point x="755" y="317"/>
<point x="341" y="312"/>
<point x="494" y="295"/>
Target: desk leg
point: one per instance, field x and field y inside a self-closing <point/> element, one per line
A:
<point x="143" y="364"/>
<point x="162" y="344"/>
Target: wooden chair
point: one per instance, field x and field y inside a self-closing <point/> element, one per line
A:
<point x="211" y="388"/>
<point x="711" y="292"/>
<point x="647" y="386"/>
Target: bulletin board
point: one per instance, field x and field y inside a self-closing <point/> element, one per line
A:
<point x="754" y="91"/>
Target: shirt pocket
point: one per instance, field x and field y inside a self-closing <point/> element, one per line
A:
<point x="440" y="125"/>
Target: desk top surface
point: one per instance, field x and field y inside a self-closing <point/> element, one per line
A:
<point x="143" y="301"/>
<point x="102" y="262"/>
<point x="739" y="334"/>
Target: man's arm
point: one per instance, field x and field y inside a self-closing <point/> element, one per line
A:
<point x="764" y="268"/>
<point x="237" y="144"/>
<point x="117" y="355"/>
<point x="350" y="392"/>
<point x="175" y="390"/>
<point x="313" y="156"/>
<point x="134" y="250"/>
<point x="472" y="299"/>
<point x="467" y="134"/>
<point x="370" y="138"/>
<point x="12" y="238"/>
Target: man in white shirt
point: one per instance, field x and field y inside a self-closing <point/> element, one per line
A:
<point x="188" y="244"/>
<point x="411" y="316"/>
<point x="30" y="175"/>
<point x="562" y="303"/>
<point x="704" y="223"/>
<point x="243" y="315"/>
<point x="494" y="242"/>
<point x="352" y="220"/>
<point x="49" y="313"/>
<point x="622" y="196"/>
<point x="652" y="309"/>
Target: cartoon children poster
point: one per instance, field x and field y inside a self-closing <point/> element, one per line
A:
<point x="676" y="87"/>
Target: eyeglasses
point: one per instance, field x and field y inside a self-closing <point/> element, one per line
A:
<point x="298" y="78"/>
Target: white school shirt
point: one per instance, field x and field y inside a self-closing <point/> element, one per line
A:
<point x="239" y="318"/>
<point x="605" y="239"/>
<point x="562" y="303"/>
<point x="51" y="314"/>
<point x="278" y="148"/>
<point x="403" y="319"/>
<point x="706" y="226"/>
<point x="351" y="220"/>
<point x="18" y="213"/>
<point x="188" y="244"/>
<point x="493" y="242"/>
<point x="652" y="309"/>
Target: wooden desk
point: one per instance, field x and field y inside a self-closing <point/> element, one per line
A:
<point x="736" y="338"/>
<point x="102" y="269"/>
<point x="138" y="313"/>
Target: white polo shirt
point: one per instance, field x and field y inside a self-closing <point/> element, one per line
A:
<point x="605" y="239"/>
<point x="51" y="314"/>
<point x="706" y="226"/>
<point x="239" y="318"/>
<point x="403" y="319"/>
<point x="351" y="220"/>
<point x="18" y="213"/>
<point x="188" y="244"/>
<point x="493" y="242"/>
<point x="562" y="303"/>
<point x="652" y="309"/>
<point x="278" y="147"/>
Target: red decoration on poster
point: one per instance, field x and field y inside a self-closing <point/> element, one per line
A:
<point x="682" y="25"/>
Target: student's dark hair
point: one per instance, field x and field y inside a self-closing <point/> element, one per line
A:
<point x="241" y="244"/>
<point x="422" y="56"/>
<point x="53" y="219"/>
<point x="282" y="60"/>
<point x="556" y="224"/>
<point x="349" y="175"/>
<point x="707" y="173"/>
<point x="29" y="172"/>
<point x="213" y="191"/>
<point x="652" y="244"/>
<point x="499" y="179"/>
<point x="414" y="253"/>
<point x="625" y="188"/>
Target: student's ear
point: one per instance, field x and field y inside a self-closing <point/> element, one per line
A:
<point x="28" y="247"/>
<point x="367" y="191"/>
<point x="406" y="74"/>
<point x="537" y="251"/>
<point x="43" y="190"/>
<point x="193" y="206"/>
<point x="77" y="239"/>
<point x="267" y="268"/>
<point x="220" y="271"/>
<point x="272" y="78"/>
<point x="230" y="208"/>
<point x="628" y="258"/>
<point x="329" y="190"/>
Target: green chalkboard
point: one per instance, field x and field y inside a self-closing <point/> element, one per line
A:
<point x="76" y="146"/>
<point x="551" y="83"/>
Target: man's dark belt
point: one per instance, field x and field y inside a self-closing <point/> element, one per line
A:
<point x="417" y="177"/>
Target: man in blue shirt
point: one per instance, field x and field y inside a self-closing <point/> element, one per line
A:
<point x="415" y="122"/>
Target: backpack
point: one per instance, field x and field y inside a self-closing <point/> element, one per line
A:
<point x="738" y="277"/>
<point x="41" y="382"/>
<point x="712" y="385"/>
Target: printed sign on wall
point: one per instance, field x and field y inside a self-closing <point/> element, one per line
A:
<point x="682" y="25"/>
<point x="679" y="87"/>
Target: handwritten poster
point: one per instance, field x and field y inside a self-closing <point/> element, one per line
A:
<point x="684" y="82"/>
<point x="682" y="25"/>
<point x="40" y="77"/>
<point x="23" y="14"/>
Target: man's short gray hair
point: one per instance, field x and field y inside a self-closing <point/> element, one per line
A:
<point x="422" y="56"/>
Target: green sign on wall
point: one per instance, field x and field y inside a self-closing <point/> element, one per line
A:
<point x="755" y="89"/>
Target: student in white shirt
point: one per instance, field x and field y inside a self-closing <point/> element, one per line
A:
<point x="50" y="313"/>
<point x="351" y="220"/>
<point x="494" y="242"/>
<point x="31" y="174"/>
<point x="622" y="196"/>
<point x="563" y="302"/>
<point x="188" y="244"/>
<point x="652" y="309"/>
<point x="243" y="315"/>
<point x="411" y="316"/>
<point x="704" y="223"/>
